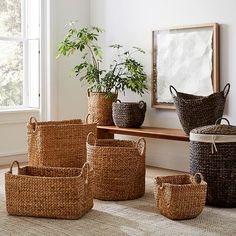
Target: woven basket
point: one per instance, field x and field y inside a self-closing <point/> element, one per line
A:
<point x="49" y="191"/>
<point x="180" y="197"/>
<point x="119" y="168"/>
<point x="128" y="114"/>
<point x="100" y="107"/>
<point x="196" y="111"/>
<point x="58" y="143"/>
<point x="213" y="153"/>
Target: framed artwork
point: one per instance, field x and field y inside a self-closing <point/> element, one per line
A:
<point x="186" y="57"/>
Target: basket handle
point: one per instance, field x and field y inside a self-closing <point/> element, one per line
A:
<point x="12" y="164"/>
<point x="85" y="171"/>
<point x="118" y="100"/>
<point x="141" y="104"/>
<point x="159" y="182"/>
<point x="222" y="118"/>
<point x="195" y="177"/>
<point x="88" y="92"/>
<point x="33" y="121"/>
<point x="226" y="90"/>
<point x="87" y="118"/>
<point x="91" y="138"/>
<point x="172" y="87"/>
<point x="141" y="145"/>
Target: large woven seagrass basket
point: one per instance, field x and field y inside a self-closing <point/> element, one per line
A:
<point x="58" y="143"/>
<point x="213" y="153"/>
<point x="49" y="191"/>
<point x="196" y="111"/>
<point x="119" y="168"/>
<point x="128" y="114"/>
<point x="180" y="197"/>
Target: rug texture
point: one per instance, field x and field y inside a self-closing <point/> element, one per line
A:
<point x="135" y="217"/>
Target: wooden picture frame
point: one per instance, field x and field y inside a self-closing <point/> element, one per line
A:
<point x="209" y="31"/>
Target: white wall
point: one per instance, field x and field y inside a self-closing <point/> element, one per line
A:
<point x="130" y="22"/>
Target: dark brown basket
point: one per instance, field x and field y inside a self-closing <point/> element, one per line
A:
<point x="58" y="143"/>
<point x="119" y="168"/>
<point x="128" y="114"/>
<point x="180" y="197"/>
<point x="196" y="111"/>
<point x="49" y="191"/>
<point x="100" y="107"/>
<point x="213" y="153"/>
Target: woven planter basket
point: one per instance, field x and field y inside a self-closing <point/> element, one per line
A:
<point x="128" y="114"/>
<point x="196" y="111"/>
<point x="49" y="191"/>
<point x="58" y="143"/>
<point x="213" y="153"/>
<point x="119" y="168"/>
<point x="100" y="107"/>
<point x="180" y="197"/>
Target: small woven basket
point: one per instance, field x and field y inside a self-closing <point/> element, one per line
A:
<point x="196" y="111"/>
<point x="180" y="197"/>
<point x="213" y="153"/>
<point x="119" y="168"/>
<point x="58" y="143"/>
<point x="128" y="114"/>
<point x="49" y="191"/>
<point x="100" y="107"/>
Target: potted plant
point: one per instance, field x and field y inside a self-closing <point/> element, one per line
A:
<point x="124" y="73"/>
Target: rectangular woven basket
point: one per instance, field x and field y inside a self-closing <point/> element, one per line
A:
<point x="58" y="143"/>
<point x="180" y="197"/>
<point x="49" y="191"/>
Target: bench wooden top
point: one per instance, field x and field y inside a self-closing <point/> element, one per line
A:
<point x="149" y="132"/>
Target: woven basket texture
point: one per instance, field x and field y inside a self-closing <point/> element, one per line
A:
<point x="49" y="191"/>
<point x="58" y="143"/>
<point x="128" y="114"/>
<point x="180" y="197"/>
<point x="196" y="111"/>
<point x="100" y="107"/>
<point x="218" y="168"/>
<point x="119" y="168"/>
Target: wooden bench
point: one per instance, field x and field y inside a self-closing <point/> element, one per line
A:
<point x="149" y="132"/>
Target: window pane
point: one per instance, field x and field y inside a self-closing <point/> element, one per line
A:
<point x="10" y="18"/>
<point x="33" y="18"/>
<point x="33" y="72"/>
<point x="11" y="74"/>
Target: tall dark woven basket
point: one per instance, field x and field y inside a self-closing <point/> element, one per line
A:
<point x="128" y="114"/>
<point x="196" y="111"/>
<point x="213" y="153"/>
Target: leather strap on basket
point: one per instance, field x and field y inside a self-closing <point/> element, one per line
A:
<point x="226" y="90"/>
<point x="198" y="176"/>
<point x="141" y="145"/>
<point x="33" y="121"/>
<point x="220" y="119"/>
<point x="85" y="172"/>
<point x="173" y="88"/>
<point x="91" y="139"/>
<point x="87" y="119"/>
<point x="12" y="164"/>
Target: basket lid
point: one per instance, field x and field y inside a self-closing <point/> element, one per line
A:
<point x="216" y="129"/>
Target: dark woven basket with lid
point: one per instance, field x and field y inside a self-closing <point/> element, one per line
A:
<point x="196" y="111"/>
<point x="213" y="153"/>
<point x="128" y="114"/>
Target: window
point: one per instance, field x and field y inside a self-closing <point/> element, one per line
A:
<point x="19" y="53"/>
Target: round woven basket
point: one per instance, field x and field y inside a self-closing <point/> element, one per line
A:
<point x="128" y="114"/>
<point x="180" y="197"/>
<point x="213" y="153"/>
<point x="119" y="168"/>
<point x="100" y="107"/>
<point x="196" y="111"/>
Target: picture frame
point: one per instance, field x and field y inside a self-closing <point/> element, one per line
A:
<point x="186" y="57"/>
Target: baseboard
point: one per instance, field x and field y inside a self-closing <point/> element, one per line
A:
<point x="6" y="160"/>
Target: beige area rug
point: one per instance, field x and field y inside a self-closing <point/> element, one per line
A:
<point x="136" y="217"/>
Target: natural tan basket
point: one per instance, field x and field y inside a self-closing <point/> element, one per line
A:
<point x="119" y="168"/>
<point x="180" y="197"/>
<point x="100" y="107"/>
<point x="49" y="191"/>
<point x="58" y="143"/>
